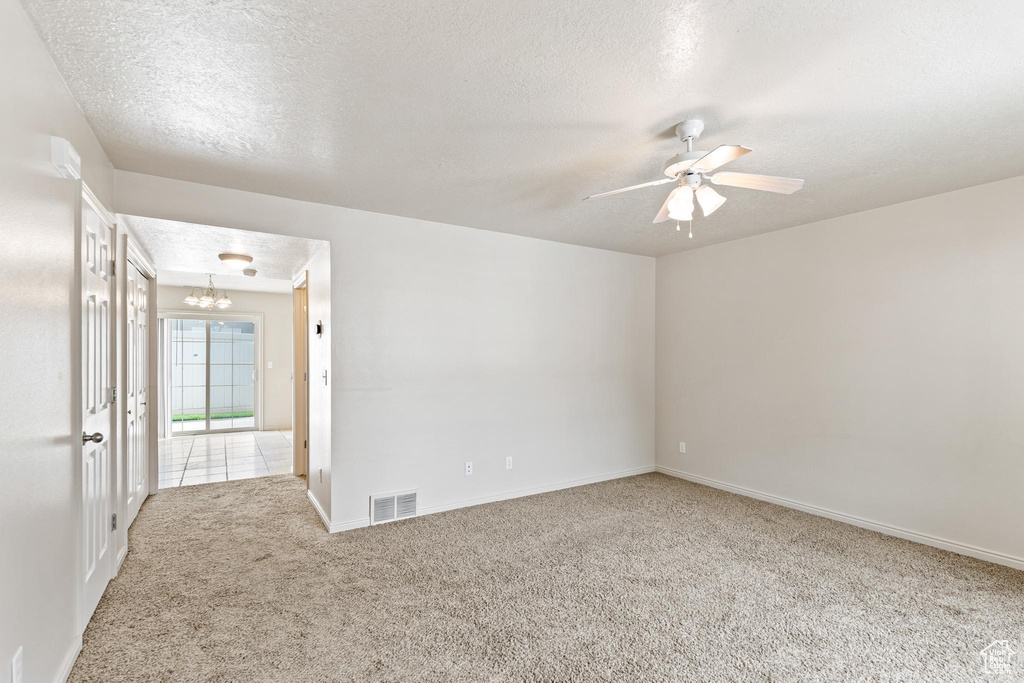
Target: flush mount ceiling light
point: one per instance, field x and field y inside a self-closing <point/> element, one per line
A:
<point x="209" y="297"/>
<point x="691" y="169"/>
<point x="236" y="261"/>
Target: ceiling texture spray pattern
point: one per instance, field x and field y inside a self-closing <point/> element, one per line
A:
<point x="191" y="248"/>
<point x="504" y="115"/>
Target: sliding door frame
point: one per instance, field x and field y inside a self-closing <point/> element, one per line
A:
<point x="257" y="319"/>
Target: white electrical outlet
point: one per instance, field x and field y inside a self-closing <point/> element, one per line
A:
<point x="508" y="463"/>
<point x="17" y="670"/>
<point x="682" y="446"/>
<point x="469" y="468"/>
<point x="270" y="365"/>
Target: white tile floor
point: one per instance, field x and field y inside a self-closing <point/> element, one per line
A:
<point x="202" y="458"/>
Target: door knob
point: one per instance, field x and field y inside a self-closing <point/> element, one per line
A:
<point x="95" y="438"/>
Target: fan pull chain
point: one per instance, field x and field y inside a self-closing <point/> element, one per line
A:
<point x="691" y="228"/>
<point x="677" y="226"/>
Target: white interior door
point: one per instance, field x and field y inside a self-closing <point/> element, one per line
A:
<point x="96" y="256"/>
<point x="136" y="389"/>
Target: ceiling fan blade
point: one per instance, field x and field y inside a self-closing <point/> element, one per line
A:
<point x="752" y="181"/>
<point x="719" y="156"/>
<point x="708" y="199"/>
<point x="660" y="181"/>
<point x="663" y="213"/>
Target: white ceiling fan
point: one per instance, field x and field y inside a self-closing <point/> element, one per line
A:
<point x="691" y="168"/>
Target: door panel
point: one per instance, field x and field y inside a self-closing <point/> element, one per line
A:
<point x="188" y="375"/>
<point x="96" y="259"/>
<point x="136" y="389"/>
<point x="300" y="373"/>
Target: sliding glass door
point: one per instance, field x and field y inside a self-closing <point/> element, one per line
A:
<point x="213" y="373"/>
<point x="232" y="374"/>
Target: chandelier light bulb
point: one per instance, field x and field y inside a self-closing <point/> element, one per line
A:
<point x="209" y="297"/>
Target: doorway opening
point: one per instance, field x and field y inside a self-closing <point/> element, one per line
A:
<point x="228" y="376"/>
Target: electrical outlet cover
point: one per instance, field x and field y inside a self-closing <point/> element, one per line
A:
<point x="469" y="468"/>
<point x="508" y="463"/>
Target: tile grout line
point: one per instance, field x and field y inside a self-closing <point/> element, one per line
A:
<point x="188" y="457"/>
<point x="263" y="457"/>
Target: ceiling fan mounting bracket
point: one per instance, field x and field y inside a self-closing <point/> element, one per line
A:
<point x="689" y="130"/>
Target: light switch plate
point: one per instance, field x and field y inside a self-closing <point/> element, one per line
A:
<point x="508" y="463"/>
<point x="270" y="365"/>
<point x="682" y="446"/>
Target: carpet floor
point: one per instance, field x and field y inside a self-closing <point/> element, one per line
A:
<point x="645" y="578"/>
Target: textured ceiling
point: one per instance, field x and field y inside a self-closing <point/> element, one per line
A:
<point x="188" y="248"/>
<point x="504" y="115"/>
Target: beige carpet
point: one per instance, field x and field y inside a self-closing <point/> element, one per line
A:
<point x="646" y="578"/>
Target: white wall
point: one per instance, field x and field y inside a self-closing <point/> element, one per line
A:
<point x="37" y="218"/>
<point x="319" y="308"/>
<point x="451" y="344"/>
<point x="465" y="345"/>
<point x="871" y="365"/>
<point x="276" y="384"/>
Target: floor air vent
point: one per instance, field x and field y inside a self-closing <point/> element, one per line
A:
<point x="389" y="507"/>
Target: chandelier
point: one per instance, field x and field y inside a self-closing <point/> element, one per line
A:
<point x="209" y="297"/>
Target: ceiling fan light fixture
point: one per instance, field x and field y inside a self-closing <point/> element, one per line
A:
<point x="680" y="206"/>
<point x="235" y="261"/>
<point x="708" y="199"/>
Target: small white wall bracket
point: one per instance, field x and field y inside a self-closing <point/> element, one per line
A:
<point x="65" y="158"/>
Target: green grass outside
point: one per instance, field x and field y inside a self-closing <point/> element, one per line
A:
<point x="213" y="416"/>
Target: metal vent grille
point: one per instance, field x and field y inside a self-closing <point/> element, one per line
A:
<point x="383" y="509"/>
<point x="387" y="507"/>
<point x="405" y="503"/>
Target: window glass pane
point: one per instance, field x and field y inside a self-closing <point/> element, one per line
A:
<point x="188" y="375"/>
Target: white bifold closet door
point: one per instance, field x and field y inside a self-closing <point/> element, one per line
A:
<point x="136" y="390"/>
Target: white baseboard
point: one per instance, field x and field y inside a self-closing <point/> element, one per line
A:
<point x="944" y="544"/>
<point x="319" y="510"/>
<point x="121" y="556"/>
<point x="69" y="660"/>
<point x="470" y="502"/>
